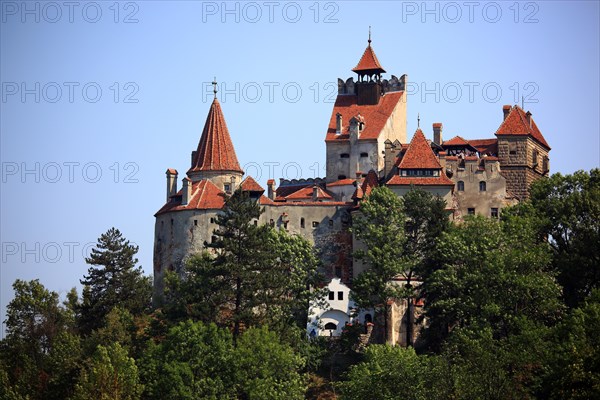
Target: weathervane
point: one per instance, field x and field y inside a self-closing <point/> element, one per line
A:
<point x="214" y="83"/>
<point x="369" y="34"/>
<point x="418" y="120"/>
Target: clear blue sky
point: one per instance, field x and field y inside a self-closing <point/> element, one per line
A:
<point x="100" y="98"/>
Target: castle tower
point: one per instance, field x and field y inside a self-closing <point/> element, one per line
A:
<point x="366" y="113"/>
<point x="369" y="70"/>
<point x="522" y="150"/>
<point x="215" y="158"/>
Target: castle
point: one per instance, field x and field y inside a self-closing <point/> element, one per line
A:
<point x="366" y="146"/>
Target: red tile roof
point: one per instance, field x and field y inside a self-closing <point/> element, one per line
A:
<point x="516" y="124"/>
<point x="419" y="154"/>
<point x="368" y="62"/>
<point x="485" y="146"/>
<point x="441" y="180"/>
<point x="307" y="192"/>
<point x="205" y="196"/>
<point x="366" y="186"/>
<point x="456" y="141"/>
<point x="342" y="182"/>
<point x="215" y="150"/>
<point x="250" y="185"/>
<point x="375" y="115"/>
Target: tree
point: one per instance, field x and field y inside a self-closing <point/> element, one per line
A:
<point x="493" y="275"/>
<point x="34" y="321"/>
<point x="398" y="373"/>
<point x="266" y="368"/>
<point x="112" y="280"/>
<point x="195" y="361"/>
<point x="575" y="362"/>
<point x="200" y="361"/>
<point x="426" y="220"/>
<point x="569" y="207"/>
<point x="110" y="375"/>
<point x="379" y="226"/>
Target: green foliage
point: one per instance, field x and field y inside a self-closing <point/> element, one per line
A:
<point x="258" y="276"/>
<point x="195" y="361"/>
<point x="492" y="275"/>
<point x="110" y="375"/>
<point x="112" y="280"/>
<point x="575" y="362"/>
<point x="34" y="325"/>
<point x="569" y="208"/>
<point x="396" y="373"/>
<point x="266" y="368"/>
<point x="380" y="227"/>
<point x="198" y="361"/>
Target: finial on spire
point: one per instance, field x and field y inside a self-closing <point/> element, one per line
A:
<point x="369" y="35"/>
<point x="214" y="83"/>
<point x="418" y="120"/>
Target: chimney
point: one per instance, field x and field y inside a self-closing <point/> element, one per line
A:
<point x="187" y="191"/>
<point x="315" y="193"/>
<point x="171" y="182"/>
<point x="437" y="133"/>
<point x="529" y="120"/>
<point x="505" y="111"/>
<point x="338" y="124"/>
<point x="271" y="189"/>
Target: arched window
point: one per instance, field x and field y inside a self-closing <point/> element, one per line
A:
<point x="330" y="326"/>
<point x="460" y="186"/>
<point x="482" y="186"/>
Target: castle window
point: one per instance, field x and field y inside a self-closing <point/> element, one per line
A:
<point x="545" y="164"/>
<point x="512" y="148"/>
<point x="340" y="177"/>
<point x="364" y="155"/>
<point x="331" y="295"/>
<point x="195" y="222"/>
<point x="255" y="222"/>
<point x="302" y="223"/>
<point x="315" y="224"/>
<point x="344" y="155"/>
<point x="331" y="223"/>
<point x="482" y="186"/>
<point x="338" y="272"/>
<point x="471" y="211"/>
<point x="460" y="186"/>
<point x="535" y="158"/>
<point x="330" y="326"/>
<point x="271" y="222"/>
<point x="172" y="221"/>
<point x="494" y="213"/>
<point x="340" y="295"/>
<point x="212" y="220"/>
<point x="213" y="239"/>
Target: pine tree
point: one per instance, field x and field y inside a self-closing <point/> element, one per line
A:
<point x="112" y="280"/>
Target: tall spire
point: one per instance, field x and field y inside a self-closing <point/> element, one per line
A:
<point x="368" y="64"/>
<point x="215" y="150"/>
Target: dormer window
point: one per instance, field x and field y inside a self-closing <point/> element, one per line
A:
<point x="227" y="188"/>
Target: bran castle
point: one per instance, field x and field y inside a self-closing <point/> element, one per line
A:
<point x="366" y="146"/>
